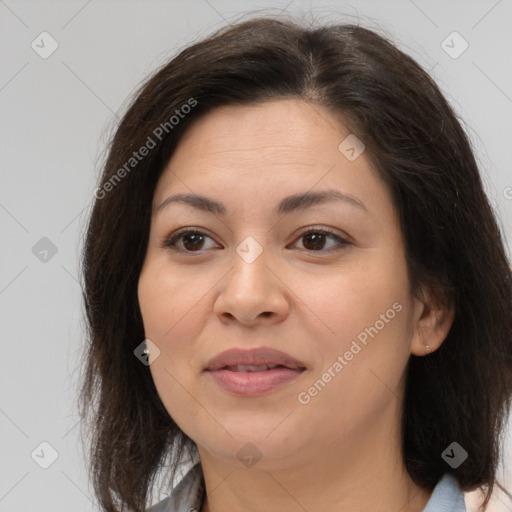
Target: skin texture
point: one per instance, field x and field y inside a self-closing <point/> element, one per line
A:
<point x="342" y="450"/>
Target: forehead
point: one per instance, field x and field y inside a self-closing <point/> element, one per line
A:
<point x="265" y="151"/>
<point x="268" y="129"/>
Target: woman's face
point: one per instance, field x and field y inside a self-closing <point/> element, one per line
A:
<point x="263" y="276"/>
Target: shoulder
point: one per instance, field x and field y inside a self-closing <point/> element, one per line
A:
<point x="447" y="496"/>
<point x="186" y="496"/>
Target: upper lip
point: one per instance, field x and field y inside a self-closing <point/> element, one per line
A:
<point x="256" y="357"/>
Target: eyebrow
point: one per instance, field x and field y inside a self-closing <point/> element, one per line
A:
<point x="295" y="202"/>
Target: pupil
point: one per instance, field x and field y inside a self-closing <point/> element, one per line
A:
<point x="195" y="244"/>
<point x="316" y="239"/>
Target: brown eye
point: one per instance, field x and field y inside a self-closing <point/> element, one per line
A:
<point x="190" y="240"/>
<point x="315" y="239"/>
<point x="193" y="241"/>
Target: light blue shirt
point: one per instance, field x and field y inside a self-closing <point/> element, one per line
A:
<point x="188" y="495"/>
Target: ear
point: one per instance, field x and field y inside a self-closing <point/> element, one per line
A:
<point x="433" y="321"/>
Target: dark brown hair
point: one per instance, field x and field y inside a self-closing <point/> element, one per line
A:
<point x="461" y="392"/>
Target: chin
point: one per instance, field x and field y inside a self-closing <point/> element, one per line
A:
<point x="269" y="447"/>
<point x="261" y="454"/>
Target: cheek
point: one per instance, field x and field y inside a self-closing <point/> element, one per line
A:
<point x="362" y="315"/>
<point x="170" y="304"/>
<point x="342" y="305"/>
<point x="172" y="314"/>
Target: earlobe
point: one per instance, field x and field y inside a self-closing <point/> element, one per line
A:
<point x="431" y="329"/>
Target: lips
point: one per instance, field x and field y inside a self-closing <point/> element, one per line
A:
<point x="244" y="368"/>
<point x="253" y="373"/>
<point x="253" y="360"/>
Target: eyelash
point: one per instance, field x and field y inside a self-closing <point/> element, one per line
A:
<point x="170" y="242"/>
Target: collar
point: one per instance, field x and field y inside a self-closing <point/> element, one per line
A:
<point x="190" y="492"/>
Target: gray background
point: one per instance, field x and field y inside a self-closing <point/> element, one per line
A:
<point x="56" y="116"/>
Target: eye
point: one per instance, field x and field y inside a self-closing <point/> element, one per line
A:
<point x="193" y="240"/>
<point x="186" y="240"/>
<point x="315" y="239"/>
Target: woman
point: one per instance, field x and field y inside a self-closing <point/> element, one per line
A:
<point x="294" y="280"/>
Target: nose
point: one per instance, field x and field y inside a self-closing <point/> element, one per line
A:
<point x="252" y="293"/>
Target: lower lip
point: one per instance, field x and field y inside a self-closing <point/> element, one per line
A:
<point x="253" y="383"/>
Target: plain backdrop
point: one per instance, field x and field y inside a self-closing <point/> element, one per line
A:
<point x="57" y="111"/>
